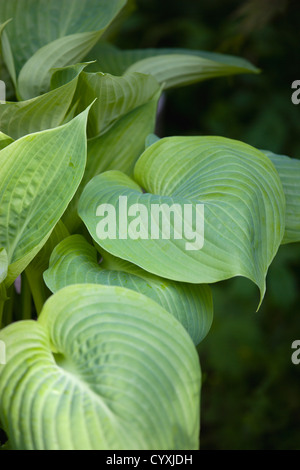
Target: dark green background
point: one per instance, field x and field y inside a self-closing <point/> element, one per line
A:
<point x="251" y="389"/>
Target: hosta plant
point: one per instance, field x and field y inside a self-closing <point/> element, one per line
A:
<point x="99" y="334"/>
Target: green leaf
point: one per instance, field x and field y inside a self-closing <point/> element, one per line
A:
<point x="5" y="77"/>
<point x="5" y="140"/>
<point x="74" y="261"/>
<point x="120" y="147"/>
<point x="35" y="270"/>
<point x="103" y="368"/>
<point x="41" y="113"/>
<point x="244" y="210"/>
<point x="63" y="75"/>
<point x="39" y="176"/>
<point x="289" y="172"/>
<point x="3" y="264"/>
<point x="116" y="97"/>
<point x="35" y="76"/>
<point x="151" y="139"/>
<point x="47" y="21"/>
<point x="124" y="114"/>
<point x="7" y="52"/>
<point x="170" y="67"/>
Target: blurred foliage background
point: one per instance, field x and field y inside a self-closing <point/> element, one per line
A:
<point x="251" y="389"/>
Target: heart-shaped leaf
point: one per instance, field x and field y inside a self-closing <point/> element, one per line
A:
<point x="103" y="368"/>
<point x="289" y="172"/>
<point x="74" y="261"/>
<point x="232" y="192"/>
<point x="39" y="176"/>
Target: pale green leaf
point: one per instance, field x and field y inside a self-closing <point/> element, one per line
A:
<point x="40" y="113"/>
<point x="116" y="97"/>
<point x="124" y="114"/>
<point x="75" y="261"/>
<point x="17" y="267"/>
<point x="103" y="368"/>
<point x="47" y="21"/>
<point x="171" y="67"/>
<point x="39" y="175"/>
<point x="244" y="210"/>
<point x="7" y="53"/>
<point x="62" y="75"/>
<point x="35" y="76"/>
<point x="289" y="172"/>
<point x="3" y="264"/>
<point x="5" y="77"/>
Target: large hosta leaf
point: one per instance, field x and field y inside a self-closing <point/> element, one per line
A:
<point x="47" y="21"/>
<point x="103" y="368"/>
<point x="40" y="113"/>
<point x="55" y="34"/>
<point x="171" y="67"/>
<point x="39" y="176"/>
<point x="244" y="210"/>
<point x="289" y="172"/>
<point x="74" y="261"/>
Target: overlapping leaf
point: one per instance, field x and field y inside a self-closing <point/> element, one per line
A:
<point x="39" y="176"/>
<point x="40" y="113"/>
<point x="35" y="270"/>
<point x="171" y="67"/>
<point x="116" y="97"/>
<point x="54" y="34"/>
<point x="7" y="69"/>
<point x="244" y="210"/>
<point x="35" y="76"/>
<point x="289" y="172"/>
<point x="5" y="140"/>
<point x="74" y="261"/>
<point x="3" y="264"/>
<point x="103" y="368"/>
<point x="119" y="122"/>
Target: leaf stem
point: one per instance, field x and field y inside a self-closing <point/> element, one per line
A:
<point x="2" y="302"/>
<point x="7" y="317"/>
<point x="3" y="298"/>
<point x="38" y="289"/>
<point x="26" y="299"/>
